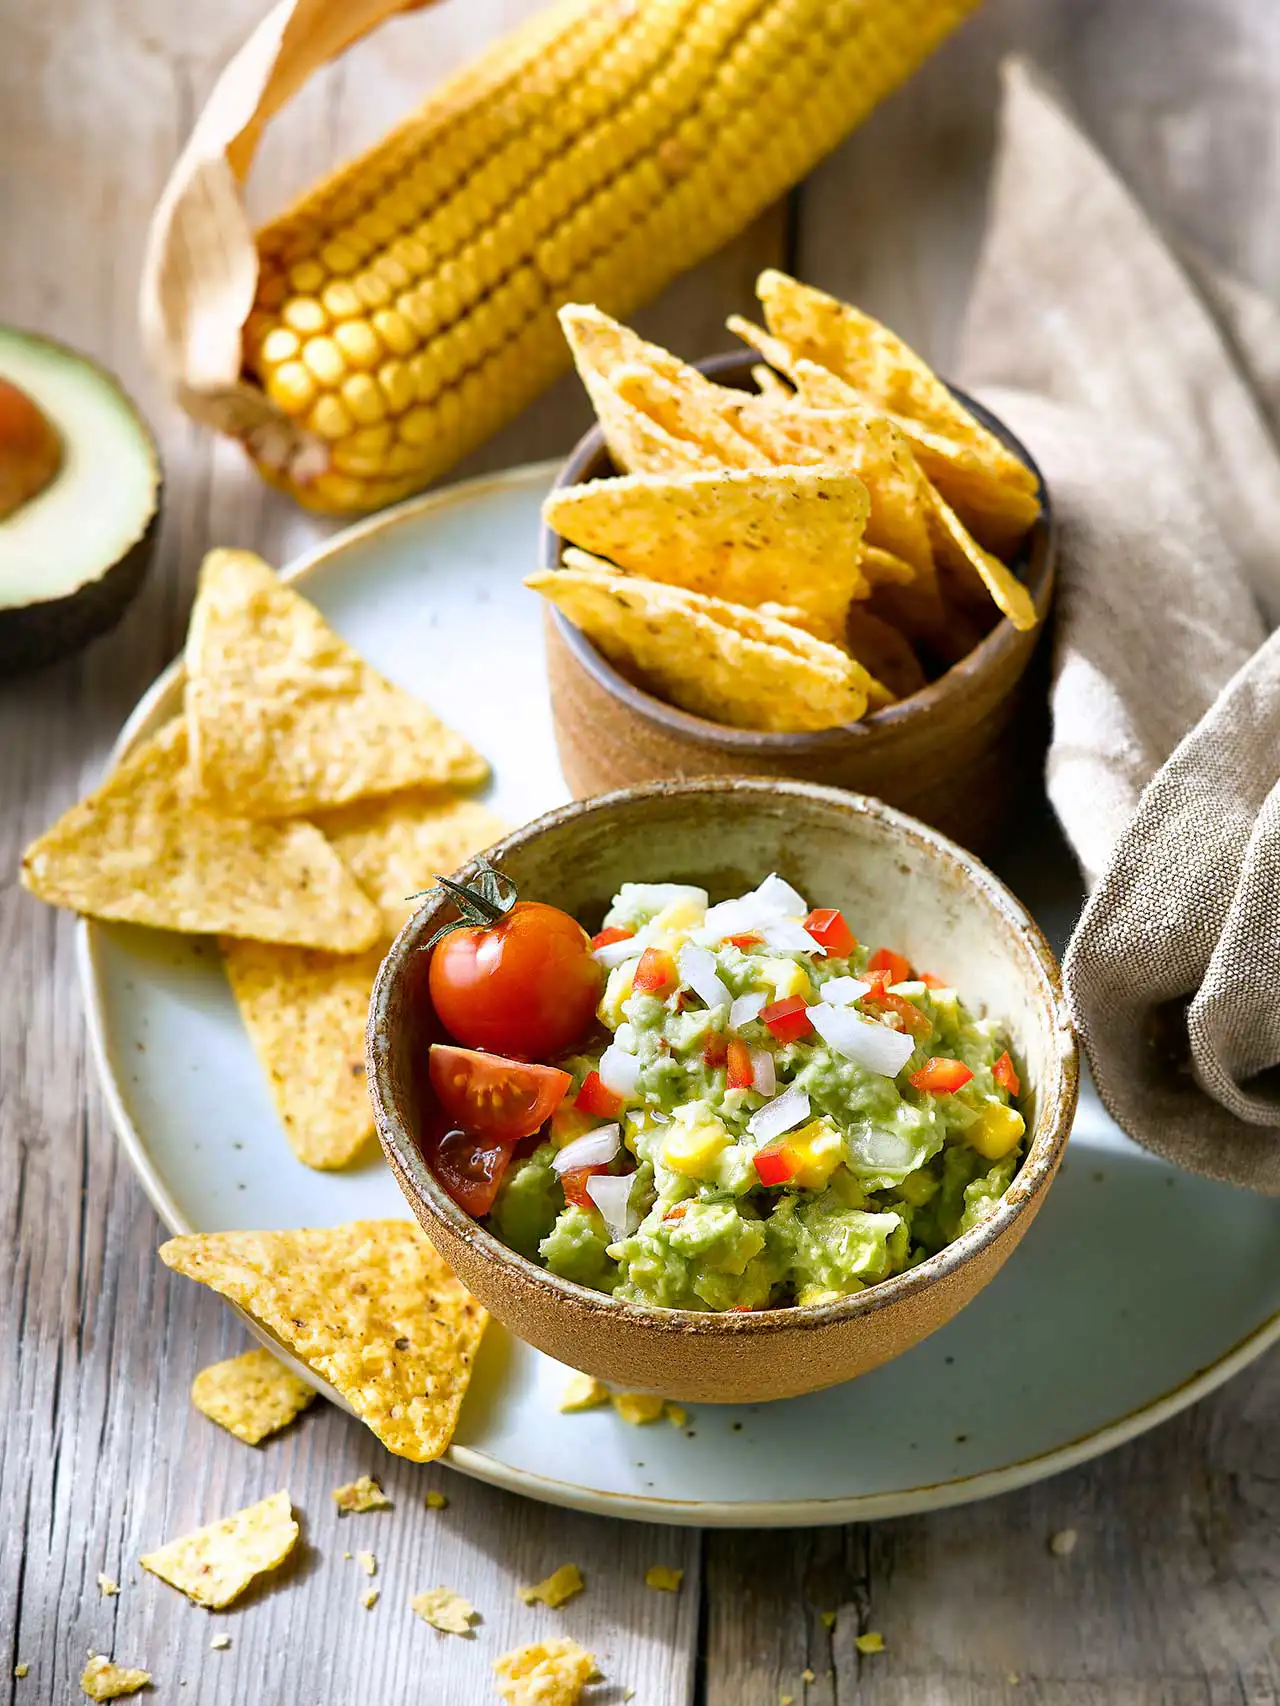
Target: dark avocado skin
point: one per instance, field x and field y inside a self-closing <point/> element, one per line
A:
<point x="33" y="635"/>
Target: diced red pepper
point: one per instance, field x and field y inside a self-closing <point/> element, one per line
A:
<point x="941" y="1076"/>
<point x="574" y="1180"/>
<point x="776" y="1163"/>
<point x="677" y="1211"/>
<point x="741" y="1309"/>
<point x="595" y="1097"/>
<point x="655" y="972"/>
<point x="879" y="979"/>
<point x="931" y="982"/>
<point x="740" y="1075"/>
<point x="611" y="933"/>
<point x="915" y="1022"/>
<point x="715" y="1051"/>
<point x="745" y="939"/>
<point x="1006" y="1076"/>
<point x="897" y="965"/>
<point x="828" y="928"/>
<point x="788" y="1019"/>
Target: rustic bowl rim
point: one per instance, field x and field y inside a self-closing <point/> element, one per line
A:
<point x="1036" y="557"/>
<point x="1055" y="1109"/>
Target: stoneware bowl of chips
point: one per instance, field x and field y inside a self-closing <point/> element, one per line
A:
<point x="826" y="564"/>
<point x="895" y="880"/>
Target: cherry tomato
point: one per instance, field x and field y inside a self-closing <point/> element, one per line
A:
<point x="574" y="1180"/>
<point x="470" y="1169"/>
<point x="525" y="984"/>
<point x="595" y="1097"/>
<point x="655" y="972"/>
<point x="493" y="1098"/>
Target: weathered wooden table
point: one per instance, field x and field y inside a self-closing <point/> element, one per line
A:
<point x="1173" y="1591"/>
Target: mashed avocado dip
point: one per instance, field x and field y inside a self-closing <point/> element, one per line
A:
<point x="782" y="1116"/>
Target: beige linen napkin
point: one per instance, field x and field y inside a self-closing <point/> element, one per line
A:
<point x="1145" y="397"/>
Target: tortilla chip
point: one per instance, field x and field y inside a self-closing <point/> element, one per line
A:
<point x="689" y="407"/>
<point x="971" y="569"/>
<point x="885" y="651"/>
<point x="251" y="1395"/>
<point x="882" y="568"/>
<point x="559" y="1586"/>
<point x="815" y="387"/>
<point x="639" y="1408"/>
<point x="362" y="1494"/>
<point x="663" y="1577"/>
<point x="142" y="850"/>
<point x="305" y="1013"/>
<point x="714" y="659"/>
<point x="367" y="1562"/>
<point x="545" y="1673"/>
<point x="876" y="362"/>
<point x="369" y="1598"/>
<point x="101" y="1680"/>
<point x="369" y="1307"/>
<point x="285" y="718"/>
<point x="396" y="846"/>
<point x="582" y="1392"/>
<point x="445" y="1610"/>
<point x="998" y="515"/>
<point x="768" y="384"/>
<point x="215" y="1564"/>
<point x="436" y="1501"/>
<point x="752" y="537"/>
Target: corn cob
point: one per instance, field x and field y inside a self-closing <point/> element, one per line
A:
<point x="406" y="307"/>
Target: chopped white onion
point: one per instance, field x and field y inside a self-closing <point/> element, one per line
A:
<point x="619" y="1071"/>
<point x="611" y="1193"/>
<point x="862" y="1040"/>
<point x="778" y="897"/>
<point x="844" y="991"/>
<point x="618" y="953"/>
<point x="734" y="918"/>
<point x="878" y="1150"/>
<point x="653" y="898"/>
<point x="764" y="1079"/>
<point x="784" y="1113"/>
<point x="789" y="937"/>
<point x="698" y="970"/>
<point x="746" y="1008"/>
<point x="593" y="1149"/>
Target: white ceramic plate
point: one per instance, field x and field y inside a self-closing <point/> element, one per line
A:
<point x="1137" y="1290"/>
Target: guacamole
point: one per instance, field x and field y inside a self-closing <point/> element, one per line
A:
<point x="780" y="1114"/>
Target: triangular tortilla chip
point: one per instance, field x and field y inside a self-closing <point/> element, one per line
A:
<point x="691" y="408"/>
<point x="305" y="1014"/>
<point x="768" y="384"/>
<point x="714" y="659"/>
<point x="143" y="850"/>
<point x="972" y="569"/>
<point x="103" y="1680"/>
<point x="369" y="1306"/>
<point x="215" y="1564"/>
<point x="285" y="718"/>
<point x="787" y="536"/>
<point x="251" y="1395"/>
<point x="881" y="366"/>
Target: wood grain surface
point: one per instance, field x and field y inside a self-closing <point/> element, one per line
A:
<point x="1172" y="1593"/>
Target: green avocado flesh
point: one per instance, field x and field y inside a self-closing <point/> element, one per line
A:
<point x="885" y="1173"/>
<point x="72" y="557"/>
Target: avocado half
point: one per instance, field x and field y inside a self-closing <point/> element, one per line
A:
<point x="77" y="535"/>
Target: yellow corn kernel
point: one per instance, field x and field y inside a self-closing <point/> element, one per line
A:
<point x="568" y="1122"/>
<point x="362" y="395"/>
<point x="306" y="276"/>
<point x="324" y="359"/>
<point x="670" y="926"/>
<point x="420" y="425"/>
<point x="373" y="440"/>
<point x="340" y="258"/>
<point x="358" y="342"/>
<point x="304" y="315"/>
<point x="402" y="459"/>
<point x="372" y="290"/>
<point x="292" y="387"/>
<point x="395" y="331"/>
<point x="339" y="491"/>
<point x="693" y="1143"/>
<point x="997" y="1131"/>
<point x="278" y="346"/>
<point x="783" y="977"/>
<point x="331" y="418"/>
<point x="396" y="384"/>
<point x="818" y="1150"/>
<point x="618" y="988"/>
<point x="340" y="300"/>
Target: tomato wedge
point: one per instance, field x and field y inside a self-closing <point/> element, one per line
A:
<point x="941" y="1076"/>
<point x="739" y="1073"/>
<point x="745" y="940"/>
<point x="1006" y="1076"/>
<point x="913" y="1019"/>
<point x="595" y="1097"/>
<point x="897" y="965"/>
<point x="492" y="1098"/>
<point x="471" y="1169"/>
<point x="574" y="1180"/>
<point x="610" y="934"/>
<point x="828" y="928"/>
<point x="776" y="1163"/>
<point x="715" y="1050"/>
<point x="788" y="1019"/>
<point x="655" y="972"/>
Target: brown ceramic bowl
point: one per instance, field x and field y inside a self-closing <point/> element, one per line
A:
<point x="952" y="754"/>
<point x="898" y="882"/>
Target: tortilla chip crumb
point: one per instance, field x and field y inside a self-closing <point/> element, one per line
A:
<point x="559" y="1586"/>
<point x="107" y="1587"/>
<point x="251" y="1395"/>
<point x="21" y="1670"/>
<point x="871" y="1642"/>
<point x="445" y="1610"/>
<point x="1063" y="1543"/>
<point x="664" y="1578"/>
<point x="829" y="1619"/>
<point x="1013" y="1679"/>
<point x="219" y="1643"/>
<point x="368" y="1563"/>
<point x="638" y="1407"/>
<point x="436" y="1501"/>
<point x="806" y="1675"/>
<point x="363" y="1494"/>
<point x="676" y="1414"/>
<point x="582" y="1392"/>
<point x="104" y="1681"/>
<point x="369" y="1599"/>
<point x="786" y="1700"/>
<point x="215" y="1564"/>
<point x="347" y="1556"/>
<point x="546" y="1673"/>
